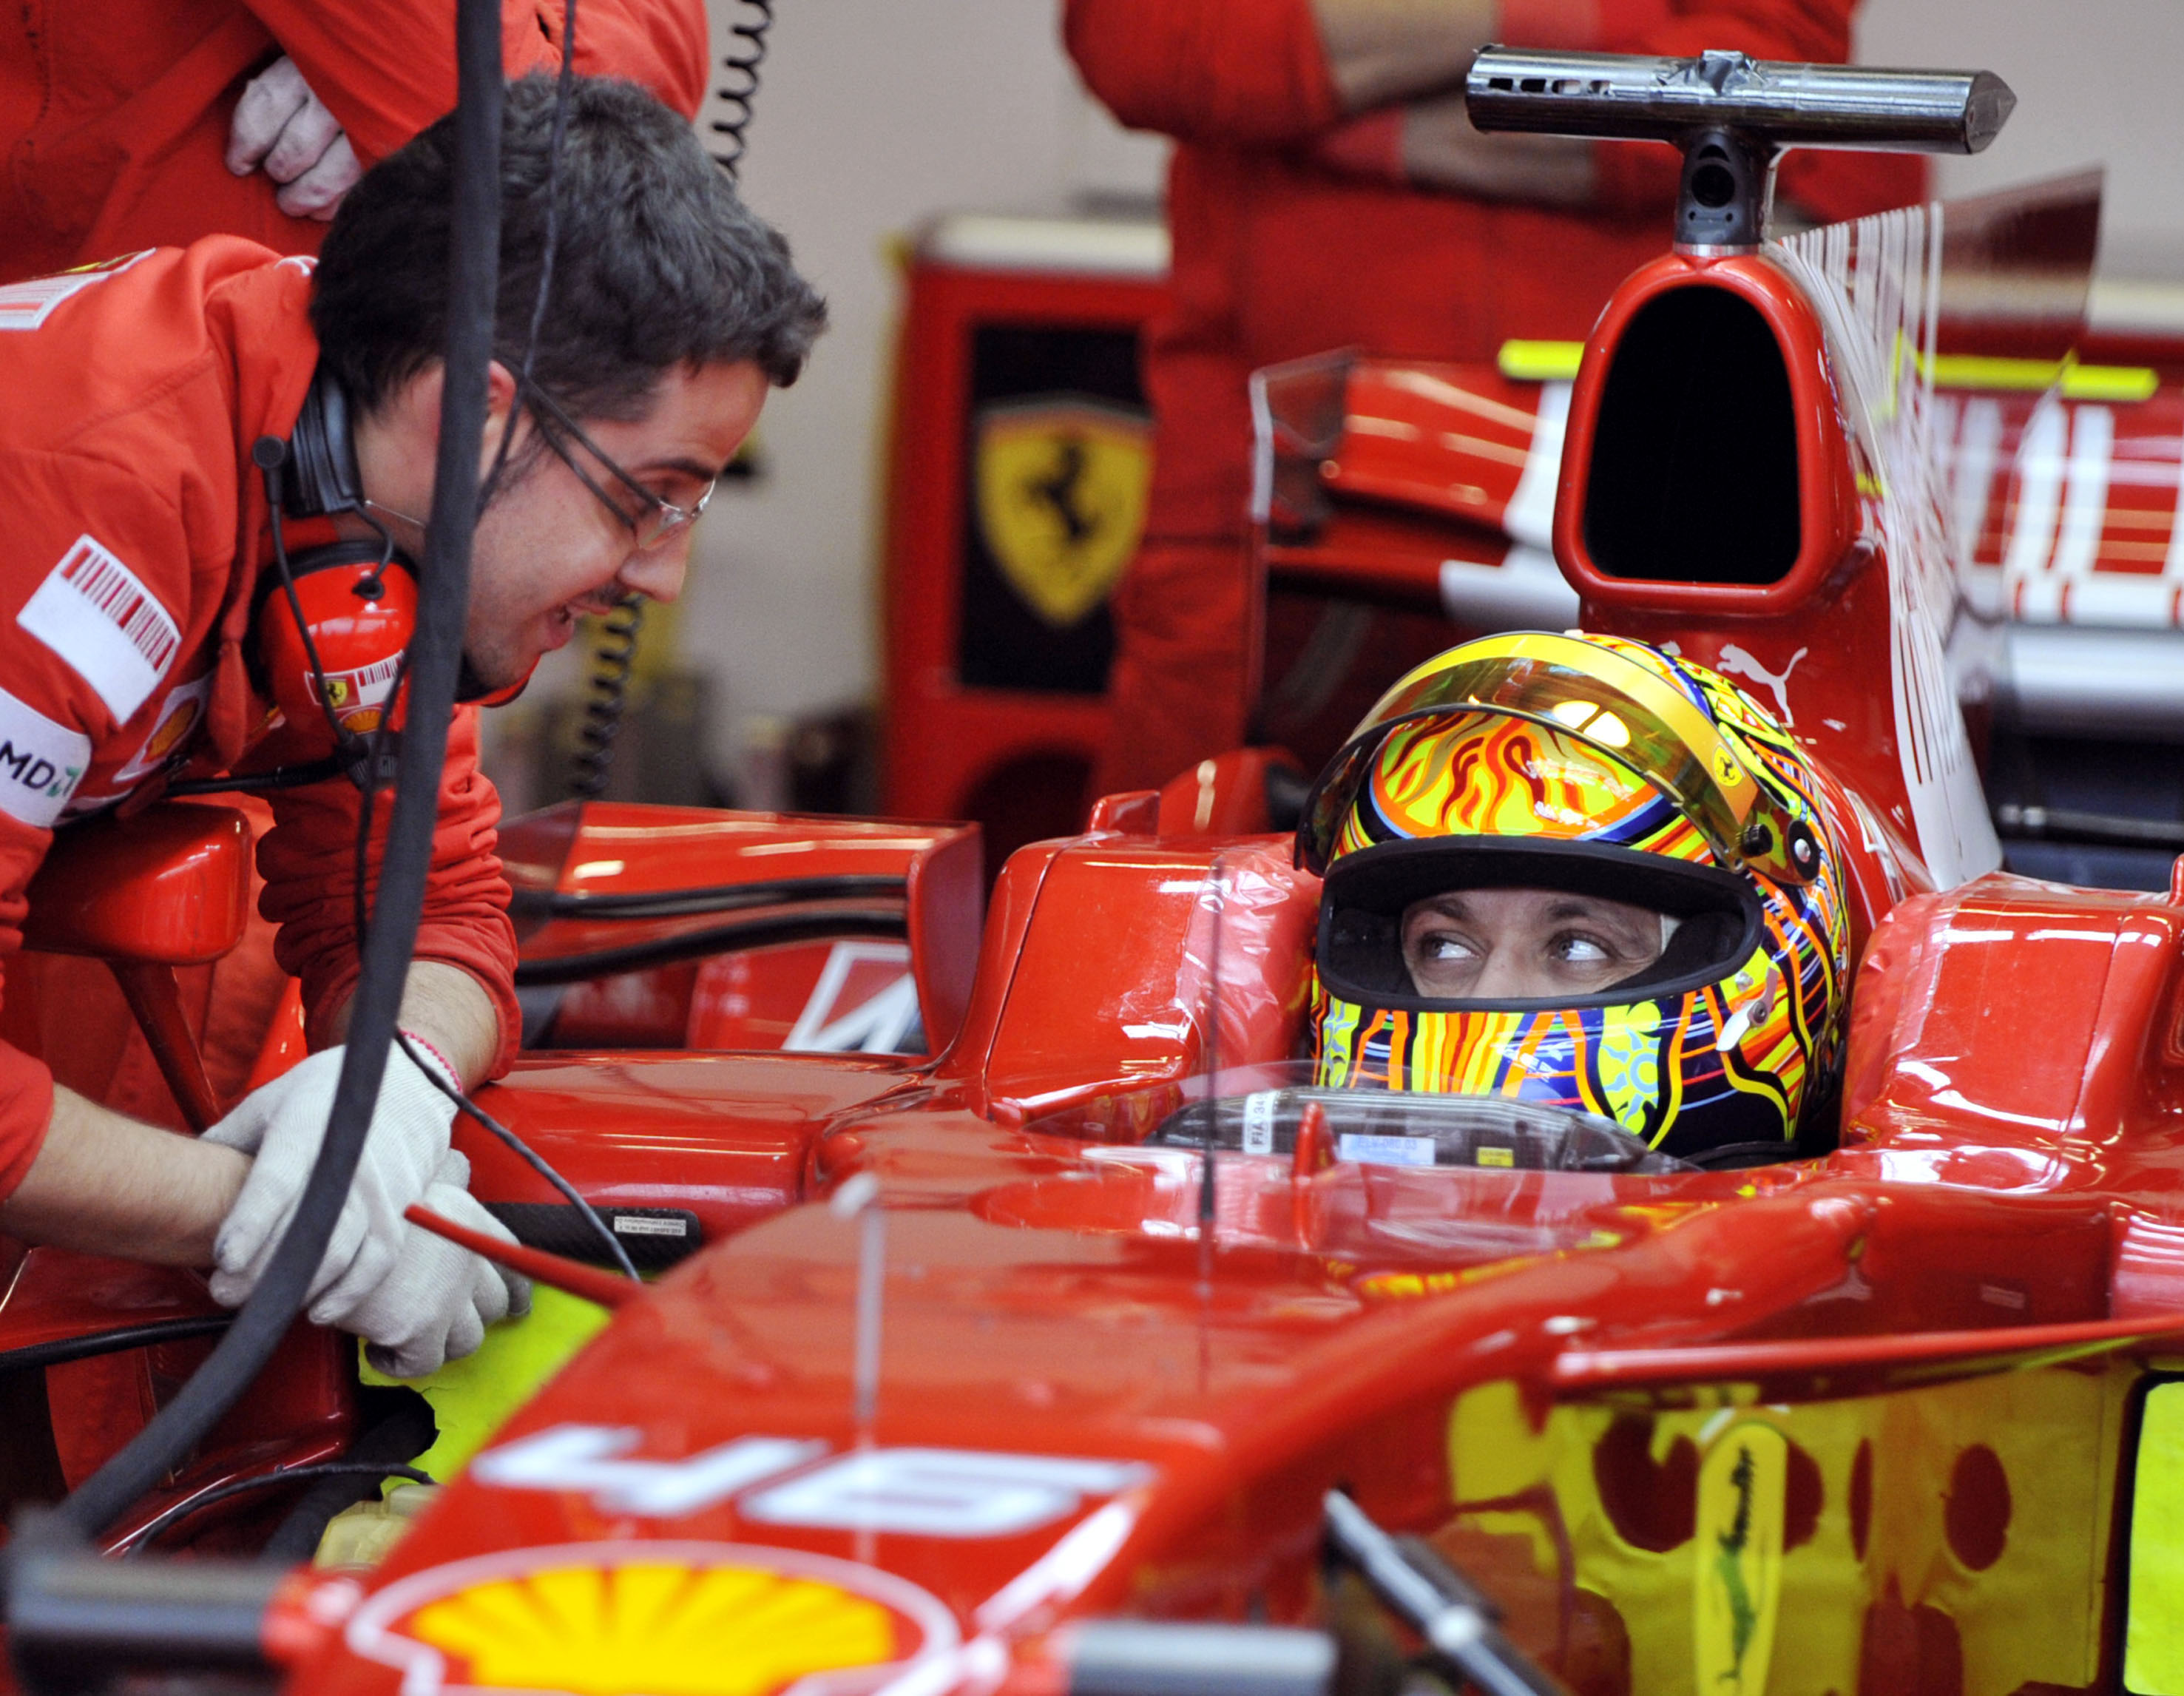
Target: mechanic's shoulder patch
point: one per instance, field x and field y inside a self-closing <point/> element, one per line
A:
<point x="27" y="304"/>
<point x="96" y="613"/>
<point x="40" y="763"/>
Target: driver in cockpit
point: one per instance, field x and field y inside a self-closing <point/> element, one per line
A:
<point x="1576" y="871"/>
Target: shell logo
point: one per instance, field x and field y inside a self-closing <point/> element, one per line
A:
<point x="651" y="1618"/>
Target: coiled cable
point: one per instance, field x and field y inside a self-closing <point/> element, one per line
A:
<point x="612" y="662"/>
<point x="740" y="80"/>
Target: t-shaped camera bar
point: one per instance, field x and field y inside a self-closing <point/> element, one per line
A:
<point x="1733" y="116"/>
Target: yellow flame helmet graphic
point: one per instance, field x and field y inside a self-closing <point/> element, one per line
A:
<point x="1604" y="767"/>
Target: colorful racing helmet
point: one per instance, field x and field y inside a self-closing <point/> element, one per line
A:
<point x="1596" y="766"/>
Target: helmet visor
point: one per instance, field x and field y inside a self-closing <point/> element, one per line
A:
<point x="1626" y="713"/>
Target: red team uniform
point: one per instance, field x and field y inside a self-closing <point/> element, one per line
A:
<point x="136" y="534"/>
<point x="114" y="118"/>
<point x="113" y="128"/>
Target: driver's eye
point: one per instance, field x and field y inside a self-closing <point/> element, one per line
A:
<point x="1575" y="948"/>
<point x="1440" y="945"/>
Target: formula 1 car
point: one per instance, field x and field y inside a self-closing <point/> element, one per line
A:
<point x="1098" y="1352"/>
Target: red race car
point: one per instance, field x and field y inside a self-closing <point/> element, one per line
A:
<point x="1801" y="1312"/>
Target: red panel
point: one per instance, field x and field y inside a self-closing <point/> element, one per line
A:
<point x="943" y="740"/>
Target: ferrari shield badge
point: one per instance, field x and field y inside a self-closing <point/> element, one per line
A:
<point x="1061" y="487"/>
<point x="1736" y="1589"/>
<point x="661" y="1619"/>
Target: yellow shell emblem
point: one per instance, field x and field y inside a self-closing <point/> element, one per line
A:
<point x="646" y="1620"/>
<point x="1061" y="489"/>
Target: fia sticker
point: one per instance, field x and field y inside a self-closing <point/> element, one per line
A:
<point x="664" y="1618"/>
<point x="180" y="714"/>
<point x="96" y="614"/>
<point x="40" y="763"/>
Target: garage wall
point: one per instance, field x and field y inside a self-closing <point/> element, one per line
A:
<point x="876" y="113"/>
<point x="873" y="115"/>
<point x="2096" y="84"/>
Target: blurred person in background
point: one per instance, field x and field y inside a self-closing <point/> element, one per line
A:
<point x="134" y="124"/>
<point x="1328" y="191"/>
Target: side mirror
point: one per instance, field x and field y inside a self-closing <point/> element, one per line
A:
<point x="169" y="887"/>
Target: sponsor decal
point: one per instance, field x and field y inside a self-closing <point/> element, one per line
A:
<point x="40" y="763"/>
<point x="653" y="1619"/>
<point x="94" y="612"/>
<point x="359" y="697"/>
<point x="26" y="305"/>
<point x="1061" y="487"/>
<point x="179" y="716"/>
<point x="866" y="1002"/>
<point x="948" y="1493"/>
<point x="1737" y="1588"/>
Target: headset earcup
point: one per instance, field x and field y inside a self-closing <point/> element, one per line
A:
<point x="360" y="616"/>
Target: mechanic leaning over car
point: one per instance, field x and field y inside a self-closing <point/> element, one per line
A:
<point x="1328" y="191"/>
<point x="1576" y="871"/>
<point x="136" y="123"/>
<point x="135" y="575"/>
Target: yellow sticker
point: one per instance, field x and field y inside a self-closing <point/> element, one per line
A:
<point x="1062" y="492"/>
<point x="2153" y="1634"/>
<point x="1736" y="1589"/>
<point x="473" y="1398"/>
<point x="1497" y="1156"/>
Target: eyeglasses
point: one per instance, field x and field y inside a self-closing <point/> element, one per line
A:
<point x="657" y="520"/>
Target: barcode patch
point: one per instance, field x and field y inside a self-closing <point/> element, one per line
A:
<point x="365" y="686"/>
<point x="94" y="613"/>
<point x="26" y="305"/>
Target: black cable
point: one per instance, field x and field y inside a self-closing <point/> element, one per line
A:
<point x="739" y="88"/>
<point x="690" y="944"/>
<point x="612" y="662"/>
<point x="267" y="1480"/>
<point x="588" y="907"/>
<point x="524" y="1152"/>
<point x="564" y="87"/>
<point x="436" y="653"/>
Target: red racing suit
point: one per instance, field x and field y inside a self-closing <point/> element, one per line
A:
<point x="1294" y="233"/>
<point x="114" y="117"/>
<point x="136" y="531"/>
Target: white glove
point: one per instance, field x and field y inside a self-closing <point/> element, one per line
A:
<point x="283" y="129"/>
<point x="436" y="1303"/>
<point x="282" y="1124"/>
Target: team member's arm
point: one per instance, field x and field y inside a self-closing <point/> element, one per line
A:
<point x="356" y="81"/>
<point x="1291" y="72"/>
<point x="462" y="990"/>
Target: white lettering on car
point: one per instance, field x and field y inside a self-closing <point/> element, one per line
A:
<point x="948" y="1493"/>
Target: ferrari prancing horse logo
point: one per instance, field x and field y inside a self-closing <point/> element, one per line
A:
<point x="1062" y="486"/>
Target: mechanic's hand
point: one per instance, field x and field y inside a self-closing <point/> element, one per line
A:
<point x="282" y="1124"/>
<point x="436" y="1303"/>
<point x="282" y="128"/>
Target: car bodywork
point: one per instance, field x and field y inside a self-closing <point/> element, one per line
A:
<point x="978" y="1347"/>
